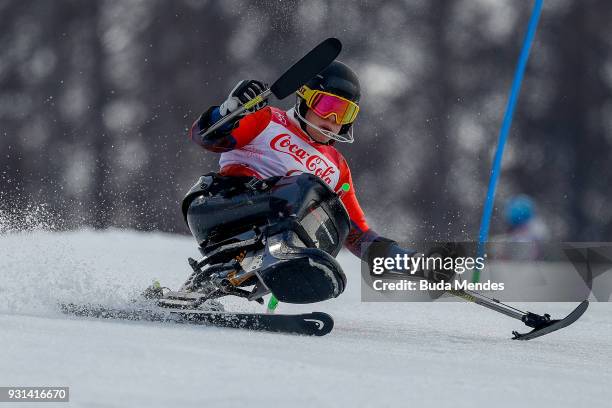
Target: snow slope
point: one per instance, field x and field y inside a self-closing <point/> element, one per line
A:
<point x="379" y="354"/>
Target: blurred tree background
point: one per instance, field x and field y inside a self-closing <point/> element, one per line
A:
<point x="96" y="98"/>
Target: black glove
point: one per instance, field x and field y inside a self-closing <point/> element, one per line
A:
<point x="386" y="248"/>
<point x="447" y="250"/>
<point x="243" y="92"/>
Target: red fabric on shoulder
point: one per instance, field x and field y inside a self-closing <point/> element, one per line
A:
<point x="250" y="126"/>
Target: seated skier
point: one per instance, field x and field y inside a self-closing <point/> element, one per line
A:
<point x="270" y="142"/>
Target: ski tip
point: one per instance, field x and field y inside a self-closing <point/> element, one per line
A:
<point x="322" y="323"/>
<point x="579" y="310"/>
<point x="583" y="306"/>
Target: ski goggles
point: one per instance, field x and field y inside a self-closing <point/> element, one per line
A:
<point x="326" y="104"/>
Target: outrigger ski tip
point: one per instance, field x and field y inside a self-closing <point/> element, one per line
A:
<point x="543" y="324"/>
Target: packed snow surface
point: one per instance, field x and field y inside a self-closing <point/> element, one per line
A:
<point x="379" y="354"/>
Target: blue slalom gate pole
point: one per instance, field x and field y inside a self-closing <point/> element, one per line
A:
<point x="487" y="212"/>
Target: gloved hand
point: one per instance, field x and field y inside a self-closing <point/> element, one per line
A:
<point x="443" y="251"/>
<point x="243" y="92"/>
<point x="384" y="248"/>
<point x="395" y="250"/>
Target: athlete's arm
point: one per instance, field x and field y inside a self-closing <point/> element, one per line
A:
<point x="360" y="234"/>
<point x="232" y="136"/>
<point x="361" y="237"/>
<point x="238" y="132"/>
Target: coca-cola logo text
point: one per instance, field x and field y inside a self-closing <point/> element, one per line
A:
<point x="314" y="163"/>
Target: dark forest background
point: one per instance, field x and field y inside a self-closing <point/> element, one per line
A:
<point x="96" y="98"/>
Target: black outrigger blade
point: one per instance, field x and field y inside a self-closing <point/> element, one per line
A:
<point x="543" y="324"/>
<point x="301" y="72"/>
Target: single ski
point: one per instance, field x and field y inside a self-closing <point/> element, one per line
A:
<point x="548" y="326"/>
<point x="310" y="324"/>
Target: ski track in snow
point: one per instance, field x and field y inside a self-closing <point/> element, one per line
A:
<point x="379" y="354"/>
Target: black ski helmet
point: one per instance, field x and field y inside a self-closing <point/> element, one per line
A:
<point x="337" y="79"/>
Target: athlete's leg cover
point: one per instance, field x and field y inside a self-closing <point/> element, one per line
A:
<point x="297" y="274"/>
